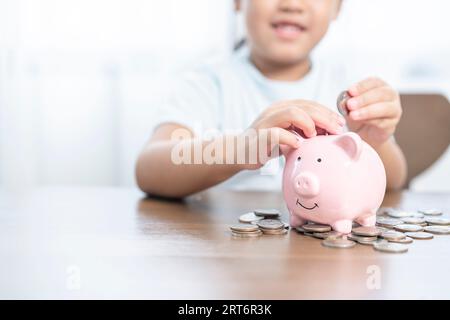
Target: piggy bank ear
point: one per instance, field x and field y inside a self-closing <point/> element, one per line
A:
<point x="351" y="143"/>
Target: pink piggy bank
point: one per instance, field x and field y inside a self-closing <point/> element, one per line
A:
<point x="333" y="180"/>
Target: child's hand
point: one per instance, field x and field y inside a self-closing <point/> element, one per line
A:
<point x="306" y="116"/>
<point x="375" y="110"/>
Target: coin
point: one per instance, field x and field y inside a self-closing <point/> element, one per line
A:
<point x="389" y="223"/>
<point x="367" y="231"/>
<point x="385" y="246"/>
<point x="431" y="212"/>
<point x="399" y="214"/>
<point x="408" y="228"/>
<point x="244" y="228"/>
<point x="325" y="235"/>
<point x="300" y="230"/>
<point x="340" y="243"/>
<point x="420" y="235"/>
<point x="438" y="229"/>
<point x="267" y="213"/>
<point x="413" y="220"/>
<point x="342" y="103"/>
<point x="392" y="235"/>
<point x="438" y="221"/>
<point x="406" y="240"/>
<point x="246" y="234"/>
<point x="249" y="218"/>
<point x="271" y="224"/>
<point x="316" y="227"/>
<point x="367" y="240"/>
<point x="275" y="232"/>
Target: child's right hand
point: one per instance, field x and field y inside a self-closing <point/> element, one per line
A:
<point x="277" y="119"/>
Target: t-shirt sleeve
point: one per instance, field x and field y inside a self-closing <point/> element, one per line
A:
<point x="192" y="100"/>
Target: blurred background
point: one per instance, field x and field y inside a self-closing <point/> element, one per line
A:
<point x="79" y="80"/>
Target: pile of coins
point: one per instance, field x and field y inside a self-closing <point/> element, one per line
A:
<point x="259" y="222"/>
<point x="394" y="230"/>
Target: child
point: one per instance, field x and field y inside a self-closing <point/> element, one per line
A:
<point x="271" y="85"/>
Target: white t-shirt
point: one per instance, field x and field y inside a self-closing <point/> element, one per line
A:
<point x="230" y="95"/>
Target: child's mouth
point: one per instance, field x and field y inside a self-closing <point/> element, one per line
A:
<point x="288" y="30"/>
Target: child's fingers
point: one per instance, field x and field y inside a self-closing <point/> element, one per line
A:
<point x="321" y="116"/>
<point x="373" y="96"/>
<point x="282" y="136"/>
<point x="365" y="85"/>
<point x="284" y="118"/>
<point x="308" y="106"/>
<point x="374" y="111"/>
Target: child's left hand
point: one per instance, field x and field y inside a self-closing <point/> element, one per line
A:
<point x="374" y="110"/>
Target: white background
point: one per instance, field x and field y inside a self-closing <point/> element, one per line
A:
<point x="79" y="78"/>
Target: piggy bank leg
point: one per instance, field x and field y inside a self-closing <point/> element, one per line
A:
<point x="296" y="221"/>
<point x="367" y="220"/>
<point x="342" y="226"/>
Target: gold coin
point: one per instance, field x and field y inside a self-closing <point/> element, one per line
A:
<point x="408" y="228"/>
<point x="316" y="227"/>
<point x="367" y="231"/>
<point x="438" y="229"/>
<point x="420" y="235"/>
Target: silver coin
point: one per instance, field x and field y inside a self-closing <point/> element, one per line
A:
<point x="399" y="214"/>
<point x="271" y="224"/>
<point x="275" y="232"/>
<point x="420" y="235"/>
<point x="246" y="234"/>
<point x="406" y="240"/>
<point x="385" y="246"/>
<point x="300" y="230"/>
<point x="267" y="213"/>
<point x="316" y="227"/>
<point x="431" y="212"/>
<point x="340" y="243"/>
<point x="244" y="228"/>
<point x="392" y="235"/>
<point x="367" y="241"/>
<point x="438" y="229"/>
<point x="417" y="215"/>
<point x="249" y="218"/>
<point x="438" y="221"/>
<point x="367" y="231"/>
<point x="342" y="103"/>
<point x="413" y="220"/>
<point x="326" y="235"/>
<point x="408" y="228"/>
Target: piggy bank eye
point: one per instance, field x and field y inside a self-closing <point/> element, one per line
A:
<point x="299" y="158"/>
<point x="319" y="160"/>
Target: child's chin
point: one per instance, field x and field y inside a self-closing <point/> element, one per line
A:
<point x="289" y="54"/>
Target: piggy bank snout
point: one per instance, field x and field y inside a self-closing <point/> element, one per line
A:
<point x="307" y="184"/>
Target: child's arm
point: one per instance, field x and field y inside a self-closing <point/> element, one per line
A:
<point x="375" y="111"/>
<point x="158" y="174"/>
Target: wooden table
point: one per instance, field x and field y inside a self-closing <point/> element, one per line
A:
<point x="112" y="243"/>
